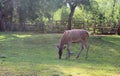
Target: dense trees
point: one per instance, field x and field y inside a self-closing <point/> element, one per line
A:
<point x="30" y="11"/>
<point x="6" y="13"/>
<point x="34" y="12"/>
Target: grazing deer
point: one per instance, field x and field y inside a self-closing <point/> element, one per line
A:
<point x="74" y="35"/>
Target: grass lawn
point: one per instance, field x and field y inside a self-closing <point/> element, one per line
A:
<point x="30" y="54"/>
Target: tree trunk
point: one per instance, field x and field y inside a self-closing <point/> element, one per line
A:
<point x="72" y="10"/>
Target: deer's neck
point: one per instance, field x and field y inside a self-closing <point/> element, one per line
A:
<point x="62" y="43"/>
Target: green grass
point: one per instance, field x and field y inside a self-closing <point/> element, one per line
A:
<point x="30" y="54"/>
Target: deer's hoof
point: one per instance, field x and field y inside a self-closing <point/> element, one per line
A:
<point x="71" y="53"/>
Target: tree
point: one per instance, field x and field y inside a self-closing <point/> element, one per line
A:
<point x="6" y="14"/>
<point x="49" y="7"/>
<point x="73" y="4"/>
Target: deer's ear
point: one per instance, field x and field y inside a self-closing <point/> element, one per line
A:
<point x="58" y="46"/>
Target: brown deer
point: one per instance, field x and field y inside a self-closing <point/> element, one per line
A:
<point x="74" y="35"/>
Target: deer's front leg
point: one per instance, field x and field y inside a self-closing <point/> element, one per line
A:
<point x="68" y="51"/>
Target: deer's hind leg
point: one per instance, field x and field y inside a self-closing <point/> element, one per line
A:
<point x="87" y="48"/>
<point x="81" y="48"/>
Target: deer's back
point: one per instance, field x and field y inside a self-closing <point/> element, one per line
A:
<point x="75" y="35"/>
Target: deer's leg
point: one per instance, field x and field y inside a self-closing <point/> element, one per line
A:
<point x="68" y="51"/>
<point x="81" y="48"/>
<point x="87" y="48"/>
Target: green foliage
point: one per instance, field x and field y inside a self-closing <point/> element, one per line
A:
<point x="61" y="14"/>
<point x="57" y="15"/>
<point x="30" y="54"/>
<point x="64" y="13"/>
<point x="29" y="11"/>
<point x="109" y="11"/>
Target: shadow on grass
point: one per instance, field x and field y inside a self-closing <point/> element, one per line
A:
<point x="105" y="51"/>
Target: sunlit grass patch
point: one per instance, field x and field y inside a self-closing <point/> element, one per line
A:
<point x="2" y="37"/>
<point x="21" y="36"/>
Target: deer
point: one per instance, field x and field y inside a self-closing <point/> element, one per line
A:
<point x="73" y="36"/>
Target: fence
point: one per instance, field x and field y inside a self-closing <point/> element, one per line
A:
<point x="52" y="26"/>
<point x="59" y="26"/>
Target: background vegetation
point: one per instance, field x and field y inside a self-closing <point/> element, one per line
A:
<point x="18" y="15"/>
